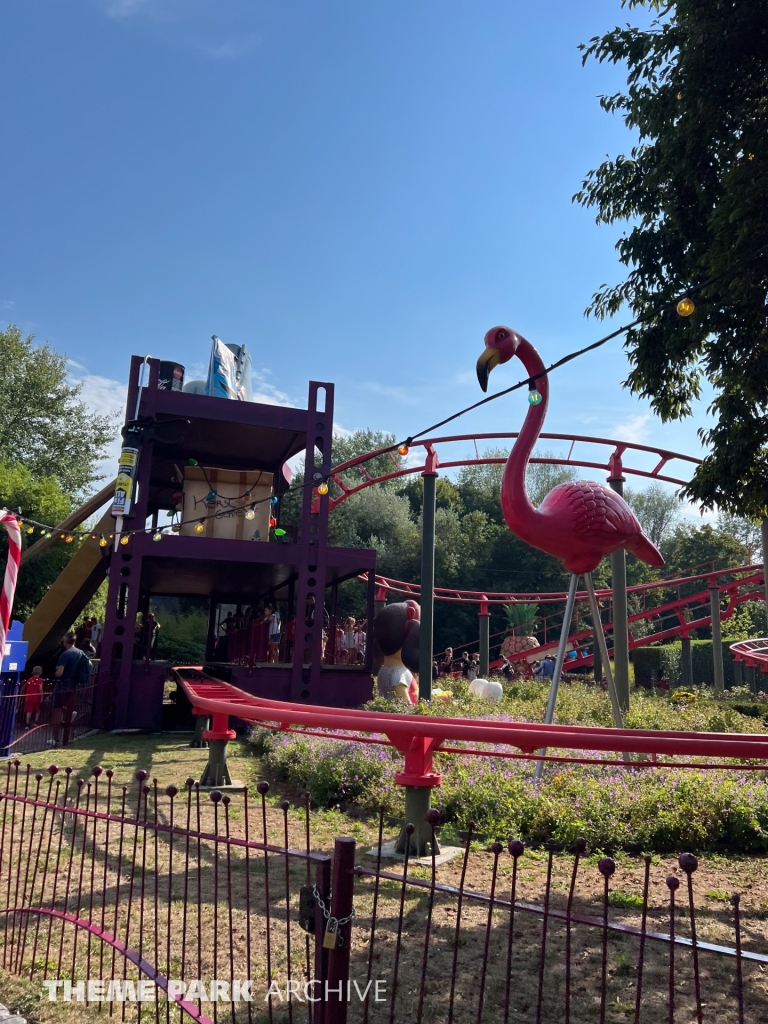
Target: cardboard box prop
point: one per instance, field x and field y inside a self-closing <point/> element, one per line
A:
<point x="235" y="493"/>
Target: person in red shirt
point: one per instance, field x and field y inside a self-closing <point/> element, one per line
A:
<point x="33" y="695"/>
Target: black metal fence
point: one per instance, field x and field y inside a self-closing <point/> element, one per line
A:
<point x="214" y="906"/>
<point x="29" y="724"/>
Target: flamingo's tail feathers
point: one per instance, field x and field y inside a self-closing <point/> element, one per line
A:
<point x="644" y="549"/>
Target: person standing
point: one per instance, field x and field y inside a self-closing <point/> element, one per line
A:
<point x="350" y="655"/>
<point x="360" y="637"/>
<point x="84" y="634"/>
<point x="446" y="665"/>
<point x="72" y="670"/>
<point x="272" y="618"/>
<point x="96" y="631"/>
<point x="33" y="695"/>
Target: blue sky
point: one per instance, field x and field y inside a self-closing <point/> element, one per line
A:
<point x="357" y="191"/>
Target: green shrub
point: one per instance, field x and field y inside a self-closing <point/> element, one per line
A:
<point x="635" y="808"/>
<point x="663" y="662"/>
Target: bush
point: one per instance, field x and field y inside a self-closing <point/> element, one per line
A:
<point x="612" y="808"/>
<point x="663" y="662"/>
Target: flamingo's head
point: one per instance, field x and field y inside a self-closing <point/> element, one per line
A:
<point x="500" y="345"/>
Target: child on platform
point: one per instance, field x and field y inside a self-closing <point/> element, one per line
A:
<point x="33" y="695"/>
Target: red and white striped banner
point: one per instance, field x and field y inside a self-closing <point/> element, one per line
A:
<point x="9" y="521"/>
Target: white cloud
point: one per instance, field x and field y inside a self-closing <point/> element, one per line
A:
<point x="404" y="395"/>
<point x="267" y="393"/>
<point x="7" y="303"/>
<point x="633" y="428"/>
<point x="120" y="9"/>
<point x="105" y="397"/>
<point x="232" y="49"/>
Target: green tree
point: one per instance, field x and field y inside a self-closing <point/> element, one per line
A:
<point x="43" y="500"/>
<point x="745" y="531"/>
<point x="44" y="423"/>
<point x="657" y="509"/>
<point x="694" y="195"/>
<point x="699" y="548"/>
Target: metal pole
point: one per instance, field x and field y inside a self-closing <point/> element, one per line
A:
<point x="738" y="674"/>
<point x="485" y="638"/>
<point x="717" y="640"/>
<point x="620" y="621"/>
<point x="342" y="891"/>
<point x="550" y="712"/>
<point x="597" y="662"/>
<point x="427" y="626"/>
<point x="686" y="664"/>
<point x="600" y="639"/>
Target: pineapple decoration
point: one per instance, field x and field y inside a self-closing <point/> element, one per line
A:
<point x="520" y="622"/>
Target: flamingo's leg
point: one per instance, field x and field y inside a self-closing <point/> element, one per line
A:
<point x="600" y="638"/>
<point x="565" y="630"/>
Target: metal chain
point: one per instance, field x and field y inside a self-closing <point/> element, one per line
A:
<point x="339" y="922"/>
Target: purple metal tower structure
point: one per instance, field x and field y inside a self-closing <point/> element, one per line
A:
<point x="170" y="429"/>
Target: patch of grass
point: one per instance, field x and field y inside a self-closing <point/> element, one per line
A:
<point x="623" y="965"/>
<point x="718" y="894"/>
<point x="625" y="900"/>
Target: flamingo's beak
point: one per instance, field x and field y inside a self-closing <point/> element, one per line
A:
<point x="485" y="364"/>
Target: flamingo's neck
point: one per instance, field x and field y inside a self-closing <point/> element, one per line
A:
<point x="516" y="505"/>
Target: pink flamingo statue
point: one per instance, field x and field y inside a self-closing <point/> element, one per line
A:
<point x="579" y="522"/>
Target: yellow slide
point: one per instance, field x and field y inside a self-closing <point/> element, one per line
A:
<point x="75" y="586"/>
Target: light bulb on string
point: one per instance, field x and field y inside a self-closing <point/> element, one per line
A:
<point x="69" y="538"/>
<point x="686" y="306"/>
<point x="403" y="449"/>
<point x="272" y="524"/>
<point x="124" y="539"/>
<point x="250" y="514"/>
<point x="210" y="496"/>
<point x="273" y="500"/>
<point x="534" y="396"/>
<point x="192" y="462"/>
<point x="199" y="527"/>
<point x="322" y="489"/>
<point x="157" y="536"/>
<point x="62" y="536"/>
<point x="30" y="529"/>
<point x="102" y="541"/>
<point x="279" y="532"/>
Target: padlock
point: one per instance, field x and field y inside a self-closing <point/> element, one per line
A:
<point x="331" y="936"/>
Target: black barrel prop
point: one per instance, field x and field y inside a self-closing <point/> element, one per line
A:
<point x="171" y="376"/>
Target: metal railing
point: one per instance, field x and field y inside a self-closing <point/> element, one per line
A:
<point x="31" y="724"/>
<point x="218" y="905"/>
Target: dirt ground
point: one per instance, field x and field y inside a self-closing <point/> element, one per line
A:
<point x="171" y="760"/>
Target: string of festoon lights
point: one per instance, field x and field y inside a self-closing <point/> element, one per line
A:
<point x="683" y="304"/>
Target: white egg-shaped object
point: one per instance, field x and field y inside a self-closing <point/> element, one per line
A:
<point x="487" y="689"/>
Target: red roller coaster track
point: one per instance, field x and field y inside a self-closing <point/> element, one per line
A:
<point x="419" y="737"/>
<point x="670" y="615"/>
